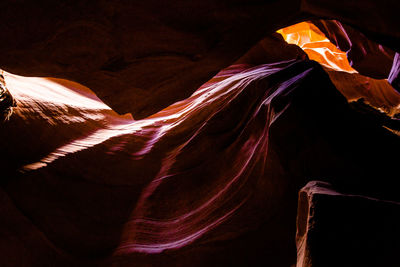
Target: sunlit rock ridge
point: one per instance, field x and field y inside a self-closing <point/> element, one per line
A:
<point x="245" y="139"/>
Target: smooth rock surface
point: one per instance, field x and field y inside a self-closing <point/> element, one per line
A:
<point x="142" y="56"/>
<point x="394" y="76"/>
<point x="211" y="180"/>
<point x="337" y="229"/>
<point x="367" y="57"/>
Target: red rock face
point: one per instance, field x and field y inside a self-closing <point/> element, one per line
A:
<point x="357" y="83"/>
<point x="367" y="57"/>
<point x="210" y="174"/>
<point x="143" y="192"/>
<point x="335" y="229"/>
<point x="141" y="57"/>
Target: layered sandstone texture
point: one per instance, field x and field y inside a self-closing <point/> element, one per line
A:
<point x="188" y="133"/>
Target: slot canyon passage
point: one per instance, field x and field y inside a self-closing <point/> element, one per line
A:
<point x="200" y="133"/>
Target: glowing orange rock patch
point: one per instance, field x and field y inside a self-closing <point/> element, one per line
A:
<point x="317" y="46"/>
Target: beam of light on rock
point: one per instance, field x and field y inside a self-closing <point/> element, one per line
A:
<point x="317" y="46"/>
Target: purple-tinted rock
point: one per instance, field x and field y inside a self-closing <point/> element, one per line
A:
<point x="366" y="56"/>
<point x="394" y="76"/>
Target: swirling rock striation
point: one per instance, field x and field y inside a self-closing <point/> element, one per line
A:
<point x="120" y="191"/>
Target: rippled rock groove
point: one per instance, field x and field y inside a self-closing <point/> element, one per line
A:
<point x="199" y="133"/>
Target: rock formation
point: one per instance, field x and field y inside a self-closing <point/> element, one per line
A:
<point x="394" y="75"/>
<point x="226" y="123"/>
<point x="336" y="229"/>
<point x="141" y="57"/>
<point x="367" y="57"/>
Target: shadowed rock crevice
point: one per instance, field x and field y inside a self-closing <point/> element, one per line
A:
<point x="341" y="229"/>
<point x="7" y="102"/>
